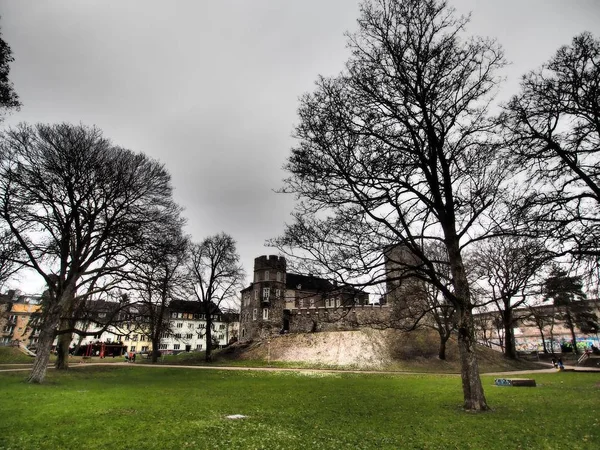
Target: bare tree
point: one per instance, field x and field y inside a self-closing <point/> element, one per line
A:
<point x="542" y="318"/>
<point x="216" y="276"/>
<point x="159" y="276"/>
<point x="76" y="204"/>
<point x="398" y="150"/>
<point x="510" y="267"/>
<point x="554" y="126"/>
<point x="566" y="293"/>
<point x="9" y="100"/>
<point x="10" y="253"/>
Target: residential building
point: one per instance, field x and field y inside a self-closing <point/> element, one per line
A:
<point x="19" y="324"/>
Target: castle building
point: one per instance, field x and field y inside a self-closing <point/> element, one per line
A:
<point x="278" y="302"/>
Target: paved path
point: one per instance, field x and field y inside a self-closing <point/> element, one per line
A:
<point x="550" y="369"/>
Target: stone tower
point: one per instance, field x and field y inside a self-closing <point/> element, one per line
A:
<point x="263" y="302"/>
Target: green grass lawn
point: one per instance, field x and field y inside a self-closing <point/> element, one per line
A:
<point x="131" y="407"/>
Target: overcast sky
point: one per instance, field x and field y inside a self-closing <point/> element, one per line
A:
<point x="211" y="88"/>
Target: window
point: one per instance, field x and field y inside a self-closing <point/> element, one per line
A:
<point x="179" y="324"/>
<point x="201" y="326"/>
<point x="222" y="326"/>
<point x="266" y="292"/>
<point x="256" y="294"/>
<point x="162" y="346"/>
<point x="180" y="315"/>
<point x="198" y="346"/>
<point x="301" y="303"/>
<point x="254" y="311"/>
<point x="255" y="277"/>
<point x="221" y="337"/>
<point x="278" y="276"/>
<point x="266" y="275"/>
<point x="190" y="325"/>
<point x="243" y="332"/>
<point x="277" y="293"/>
<point x="132" y="348"/>
<point x="265" y="314"/>
<point x="312" y="302"/>
<point x="144" y="348"/>
<point x="177" y="335"/>
<point x="176" y="346"/>
<point x="174" y="315"/>
<point x="188" y="336"/>
<point x="337" y="302"/>
<point x="134" y="337"/>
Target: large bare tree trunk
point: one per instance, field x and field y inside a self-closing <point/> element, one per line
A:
<point x="62" y="351"/>
<point x="54" y="311"/>
<point x="155" y="350"/>
<point x="42" y="355"/>
<point x="66" y="323"/>
<point x="474" y="398"/>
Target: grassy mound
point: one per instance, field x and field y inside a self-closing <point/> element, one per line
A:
<point x="12" y="355"/>
<point x="365" y="349"/>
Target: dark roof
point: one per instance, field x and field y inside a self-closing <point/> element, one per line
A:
<point x="192" y="307"/>
<point x="308" y="283"/>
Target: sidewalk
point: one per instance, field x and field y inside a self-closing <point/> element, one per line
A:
<point x="550" y="369"/>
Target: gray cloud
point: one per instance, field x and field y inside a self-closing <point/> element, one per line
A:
<point x="211" y="88"/>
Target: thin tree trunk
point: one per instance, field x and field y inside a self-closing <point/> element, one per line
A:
<point x="208" y="354"/>
<point x="442" y="347"/>
<point x="510" y="350"/>
<point x="543" y="341"/>
<point x="571" y="328"/>
<point x="552" y="335"/>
